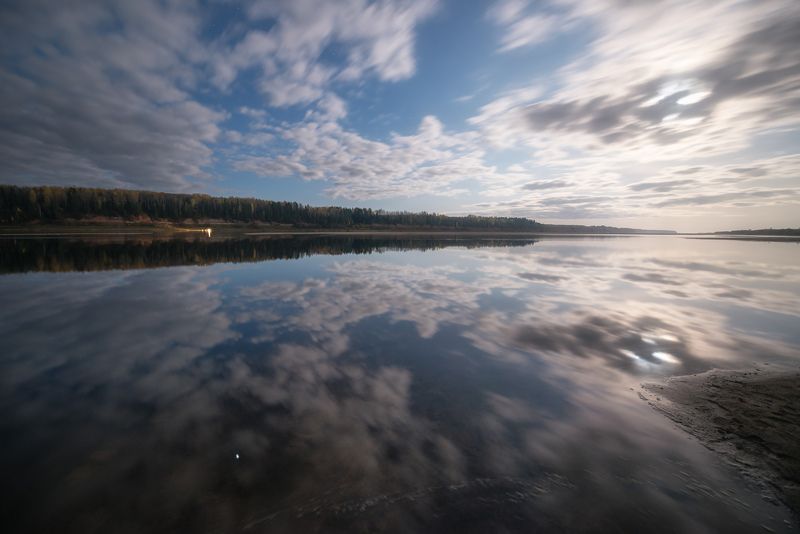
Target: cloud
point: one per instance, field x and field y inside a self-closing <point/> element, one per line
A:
<point x="656" y="87"/>
<point x="519" y="29"/>
<point x="375" y="38"/>
<point x="430" y="161"/>
<point x="552" y="184"/>
<point x="651" y="278"/>
<point x="672" y="191"/>
<point x="735" y="197"/>
<point x="86" y="106"/>
<point x="114" y="93"/>
<point x="753" y="55"/>
<point x="660" y="112"/>
<point x="537" y="277"/>
<point x="661" y="186"/>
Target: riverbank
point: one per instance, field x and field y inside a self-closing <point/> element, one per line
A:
<point x="750" y="417"/>
<point x="224" y="230"/>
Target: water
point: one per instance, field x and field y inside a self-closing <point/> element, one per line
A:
<point x="377" y="384"/>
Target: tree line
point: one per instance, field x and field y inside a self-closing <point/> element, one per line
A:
<point x="20" y="205"/>
<point x="764" y="232"/>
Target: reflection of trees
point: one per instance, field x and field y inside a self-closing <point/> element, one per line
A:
<point x="63" y="255"/>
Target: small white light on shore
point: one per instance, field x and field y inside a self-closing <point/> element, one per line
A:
<point x="237" y="455"/>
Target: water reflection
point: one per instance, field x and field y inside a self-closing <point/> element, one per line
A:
<point x="478" y="389"/>
<point x="64" y="255"/>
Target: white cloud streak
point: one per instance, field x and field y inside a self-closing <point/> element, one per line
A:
<point x="662" y="84"/>
<point x="375" y="37"/>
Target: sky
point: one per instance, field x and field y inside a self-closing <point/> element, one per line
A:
<point x="674" y="114"/>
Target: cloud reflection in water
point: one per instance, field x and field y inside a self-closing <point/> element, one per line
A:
<point x="472" y="389"/>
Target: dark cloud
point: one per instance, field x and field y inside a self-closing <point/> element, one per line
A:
<point x="115" y="93"/>
<point x="754" y="172"/>
<point x="552" y="184"/>
<point x="575" y="200"/>
<point x="84" y="104"/>
<point x="690" y="170"/>
<point x="735" y="294"/>
<point x="716" y="268"/>
<point x="538" y="277"/>
<point x="676" y="293"/>
<point x="661" y="187"/>
<point x="620" y="341"/>
<point x="615" y="120"/>
<point x="763" y="63"/>
<point x="652" y="278"/>
<point x="702" y="200"/>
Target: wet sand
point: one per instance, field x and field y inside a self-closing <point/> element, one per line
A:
<point x="750" y="417"/>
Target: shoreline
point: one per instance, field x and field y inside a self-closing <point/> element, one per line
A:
<point x="218" y="227"/>
<point x="750" y="417"/>
<point x="227" y="231"/>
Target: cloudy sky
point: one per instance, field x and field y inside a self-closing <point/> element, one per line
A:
<point x="676" y="114"/>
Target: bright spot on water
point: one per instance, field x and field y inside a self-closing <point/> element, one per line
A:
<point x="237" y="455"/>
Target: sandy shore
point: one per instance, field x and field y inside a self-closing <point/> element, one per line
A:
<point x="751" y="417"/>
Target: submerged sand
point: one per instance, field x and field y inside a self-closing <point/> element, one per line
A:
<point x="751" y="417"/>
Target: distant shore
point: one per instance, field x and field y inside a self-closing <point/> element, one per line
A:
<point x="223" y="229"/>
<point x="747" y="237"/>
<point x="24" y="205"/>
<point x="164" y="229"/>
<point x="750" y="417"/>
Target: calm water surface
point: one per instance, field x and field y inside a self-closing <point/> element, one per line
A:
<point x="357" y="384"/>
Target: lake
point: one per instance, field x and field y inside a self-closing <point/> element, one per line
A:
<point x="360" y="384"/>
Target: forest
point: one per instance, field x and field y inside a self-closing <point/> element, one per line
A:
<point x="764" y="232"/>
<point x="45" y="204"/>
